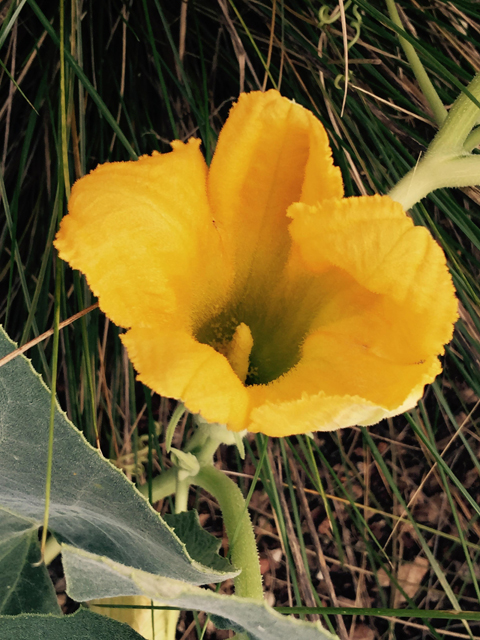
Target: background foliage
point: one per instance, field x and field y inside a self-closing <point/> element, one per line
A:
<point x="384" y="519"/>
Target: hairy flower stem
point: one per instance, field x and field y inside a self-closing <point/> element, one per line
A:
<point x="163" y="485"/>
<point x="181" y="494"/>
<point x="207" y="451"/>
<point x="243" y="548"/>
<point x="448" y="161"/>
<point x="181" y="504"/>
<point x="241" y="538"/>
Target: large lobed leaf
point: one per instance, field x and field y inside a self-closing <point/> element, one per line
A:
<point x="93" y="505"/>
<point x="115" y="544"/>
<point x="82" y="625"/>
<point x="91" y="576"/>
<point x="25" y="587"/>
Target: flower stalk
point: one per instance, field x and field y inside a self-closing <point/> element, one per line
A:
<point x="162" y="486"/>
<point x="238" y="526"/>
<point x="181" y="494"/>
<point x="243" y="548"/>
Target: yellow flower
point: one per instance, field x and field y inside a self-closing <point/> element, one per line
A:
<point x="252" y="290"/>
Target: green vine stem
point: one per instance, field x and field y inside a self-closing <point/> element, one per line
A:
<point x="473" y="140"/>
<point x="447" y="162"/>
<point x="244" y="553"/>
<point x="462" y="117"/>
<point x="428" y="90"/>
<point x="181" y="494"/>
<point x="162" y="486"/>
<point x="428" y="176"/>
<point x="243" y="548"/>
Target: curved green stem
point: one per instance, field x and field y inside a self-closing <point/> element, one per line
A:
<point x="181" y="494"/>
<point x="207" y="451"/>
<point x="243" y="548"/>
<point x="473" y="140"/>
<point x="462" y="117"/>
<point x="428" y="90"/>
<point x="447" y="162"/>
<point x="162" y="486"/>
<point x="428" y="175"/>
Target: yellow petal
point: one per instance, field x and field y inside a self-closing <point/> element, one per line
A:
<point x="340" y="363"/>
<point x="270" y="153"/>
<point x="320" y="412"/>
<point x="337" y="384"/>
<point x="372" y="239"/>
<point x="175" y="365"/>
<point x="142" y="233"/>
<point x="161" y="627"/>
<point x="387" y="308"/>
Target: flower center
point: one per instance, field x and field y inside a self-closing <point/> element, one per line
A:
<point x="261" y="340"/>
<point x="262" y="330"/>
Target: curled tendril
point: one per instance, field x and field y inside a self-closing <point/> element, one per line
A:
<point x="356" y="24"/>
<point x="341" y="78"/>
<point x="324" y="18"/>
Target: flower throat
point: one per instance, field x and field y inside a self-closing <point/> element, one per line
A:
<point x="260" y="345"/>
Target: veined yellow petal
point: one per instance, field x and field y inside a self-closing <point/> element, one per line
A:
<point x="312" y="413"/>
<point x="321" y="412"/>
<point x="142" y="233"/>
<point x="270" y="153"/>
<point x="373" y="239"/>
<point x="337" y="385"/>
<point x="177" y="366"/>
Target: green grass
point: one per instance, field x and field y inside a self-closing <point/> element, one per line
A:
<point x="138" y="75"/>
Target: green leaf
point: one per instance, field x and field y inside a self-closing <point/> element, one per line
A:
<point x="24" y="587"/>
<point x="90" y="576"/>
<point x="93" y="505"/>
<point x="82" y="625"/>
<point x="225" y="624"/>
<point x="200" y="544"/>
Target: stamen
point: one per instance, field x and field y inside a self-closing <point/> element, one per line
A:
<point x="238" y="350"/>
